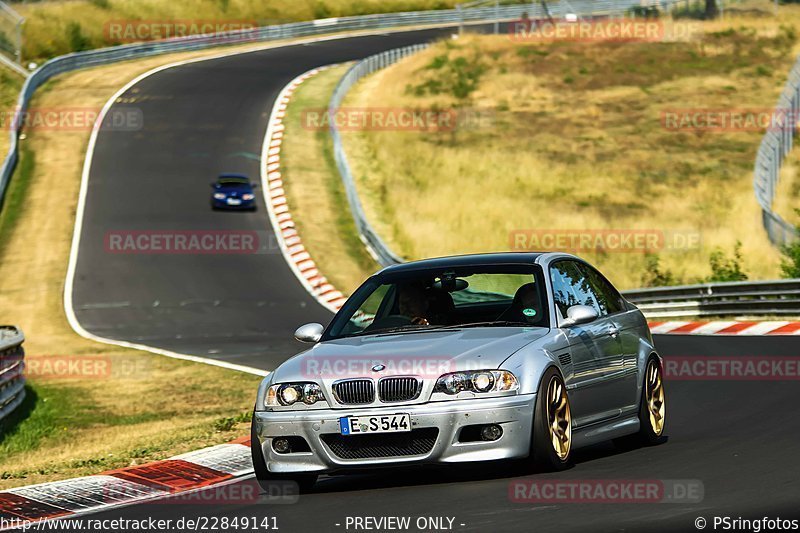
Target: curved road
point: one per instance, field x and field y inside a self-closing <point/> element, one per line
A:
<point x="738" y="438"/>
<point x="199" y="120"/>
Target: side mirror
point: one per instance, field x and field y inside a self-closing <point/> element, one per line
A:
<point x="214" y="185"/>
<point x="309" y="332"/>
<point x="254" y="185"/>
<point x="580" y="314"/>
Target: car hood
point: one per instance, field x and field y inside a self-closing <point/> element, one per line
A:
<point x="427" y="354"/>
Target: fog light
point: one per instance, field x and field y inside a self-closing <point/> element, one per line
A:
<point x="492" y="432"/>
<point x="281" y="445"/>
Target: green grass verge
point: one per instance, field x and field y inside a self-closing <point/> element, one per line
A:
<point x="315" y="192"/>
<point x="15" y="195"/>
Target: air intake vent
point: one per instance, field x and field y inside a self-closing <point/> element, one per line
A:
<point x="415" y="442"/>
<point x="402" y="389"/>
<point x="355" y="391"/>
<point x="565" y="359"/>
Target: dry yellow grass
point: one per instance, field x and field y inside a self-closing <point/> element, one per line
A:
<point x="62" y="26"/>
<point x="10" y="84"/>
<point x="314" y="188"/>
<point x="575" y="142"/>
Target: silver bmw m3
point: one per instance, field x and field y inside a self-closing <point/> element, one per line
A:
<point x="462" y="359"/>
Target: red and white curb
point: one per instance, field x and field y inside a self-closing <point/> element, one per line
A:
<point x="181" y="474"/>
<point x="300" y="261"/>
<point x="777" y="327"/>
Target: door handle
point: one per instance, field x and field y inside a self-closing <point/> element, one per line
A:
<point x="613" y="331"/>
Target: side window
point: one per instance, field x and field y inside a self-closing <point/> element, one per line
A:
<point x="570" y="287"/>
<point x="608" y="298"/>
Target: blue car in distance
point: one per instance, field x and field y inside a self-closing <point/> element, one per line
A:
<point x="233" y="191"/>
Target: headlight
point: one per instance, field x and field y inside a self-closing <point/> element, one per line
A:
<point x="483" y="381"/>
<point x="286" y="394"/>
<point x="219" y="196"/>
<point x="248" y="196"/>
<point x="312" y="393"/>
<point x="480" y="381"/>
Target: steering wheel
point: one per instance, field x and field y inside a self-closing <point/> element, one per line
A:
<point x="391" y="321"/>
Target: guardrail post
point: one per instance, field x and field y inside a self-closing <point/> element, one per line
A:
<point x="12" y="367"/>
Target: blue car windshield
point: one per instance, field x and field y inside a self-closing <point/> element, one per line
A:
<point x="233" y="182"/>
<point x="487" y="296"/>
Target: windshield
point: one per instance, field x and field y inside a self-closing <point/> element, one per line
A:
<point x="502" y="296"/>
<point x="233" y="182"/>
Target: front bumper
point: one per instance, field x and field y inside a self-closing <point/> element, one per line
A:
<point x="513" y="413"/>
<point x="223" y="204"/>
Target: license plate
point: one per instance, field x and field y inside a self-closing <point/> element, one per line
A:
<point x="234" y="201"/>
<point x="360" y="425"/>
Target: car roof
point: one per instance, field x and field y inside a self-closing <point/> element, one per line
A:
<point x="455" y="261"/>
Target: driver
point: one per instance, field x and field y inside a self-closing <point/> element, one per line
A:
<point x="414" y="304"/>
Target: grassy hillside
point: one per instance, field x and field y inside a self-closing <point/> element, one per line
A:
<point x="787" y="197"/>
<point x="58" y="27"/>
<point x="10" y="85"/>
<point x="571" y="137"/>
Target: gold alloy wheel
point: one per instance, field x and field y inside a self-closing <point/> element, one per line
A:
<point x="559" y="418"/>
<point x="655" y="397"/>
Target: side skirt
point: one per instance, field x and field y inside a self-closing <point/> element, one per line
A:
<point x="595" y="433"/>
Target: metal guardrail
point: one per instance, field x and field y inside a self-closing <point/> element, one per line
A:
<point x="12" y="366"/>
<point x="10" y="33"/>
<point x="375" y="245"/>
<point x="92" y="58"/>
<point x="775" y="146"/>
<point x="740" y="298"/>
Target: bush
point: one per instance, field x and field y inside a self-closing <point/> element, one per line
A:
<point x="697" y="10"/>
<point x="725" y="269"/>
<point x="457" y="76"/>
<point x="650" y="12"/>
<point x="78" y="42"/>
<point x="322" y="11"/>
<point x="654" y="276"/>
<point x="790" y="264"/>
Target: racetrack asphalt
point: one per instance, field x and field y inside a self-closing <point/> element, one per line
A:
<point x="198" y="120"/>
<point x="738" y="438"/>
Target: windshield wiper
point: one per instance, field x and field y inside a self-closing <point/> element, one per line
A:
<point x="489" y="324"/>
<point x="410" y="328"/>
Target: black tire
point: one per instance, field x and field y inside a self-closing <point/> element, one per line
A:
<point x="543" y="454"/>
<point x="647" y="435"/>
<point x="266" y="479"/>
